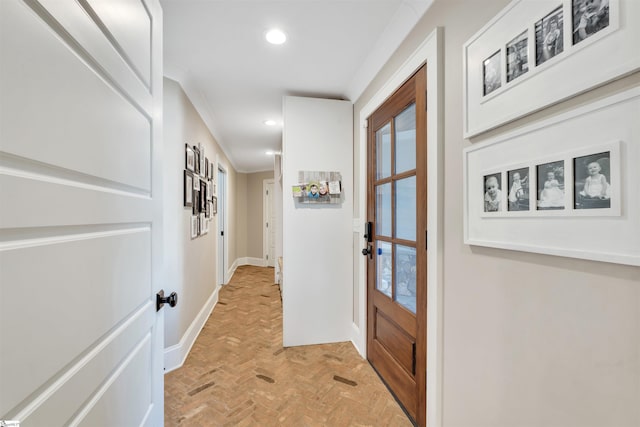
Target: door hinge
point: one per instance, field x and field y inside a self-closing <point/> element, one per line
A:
<point x="267" y="225"/>
<point x="267" y="192"/>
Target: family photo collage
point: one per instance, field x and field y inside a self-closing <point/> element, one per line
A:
<point x="588" y="17"/>
<point x="199" y="189"/>
<point x="570" y="183"/>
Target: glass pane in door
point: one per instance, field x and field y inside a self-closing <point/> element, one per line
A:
<point x="383" y="210"/>
<point x="406" y="209"/>
<point x="405" y="130"/>
<point x="383" y="152"/>
<point x="405" y="271"/>
<point x="383" y="267"/>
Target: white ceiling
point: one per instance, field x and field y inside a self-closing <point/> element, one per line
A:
<point x="236" y="80"/>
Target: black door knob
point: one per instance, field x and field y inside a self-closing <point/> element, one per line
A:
<point x="366" y="251"/>
<point x="161" y="300"/>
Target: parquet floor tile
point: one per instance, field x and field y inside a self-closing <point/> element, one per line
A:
<point x="238" y="373"/>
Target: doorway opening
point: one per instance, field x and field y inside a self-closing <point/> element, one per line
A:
<point x="223" y="250"/>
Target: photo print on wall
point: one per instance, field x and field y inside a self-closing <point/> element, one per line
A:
<point x="518" y="183"/>
<point x="493" y="192"/>
<point x="549" y="36"/>
<point x="592" y="186"/>
<point x="491" y="73"/>
<point x="589" y="17"/>
<point x="551" y="193"/>
<point x="517" y="56"/>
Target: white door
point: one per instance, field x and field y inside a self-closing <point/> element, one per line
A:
<point x="80" y="212"/>
<point x="222" y="223"/>
<point x="269" y="224"/>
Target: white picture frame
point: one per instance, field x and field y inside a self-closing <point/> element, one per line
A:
<point x="605" y="230"/>
<point x="194" y="226"/>
<point x="553" y="80"/>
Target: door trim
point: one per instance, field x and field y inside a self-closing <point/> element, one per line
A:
<point x="430" y="51"/>
<point x="223" y="210"/>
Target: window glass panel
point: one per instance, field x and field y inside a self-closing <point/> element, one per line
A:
<point x="405" y="272"/>
<point x="406" y="139"/>
<point x="406" y="209"/>
<point x="383" y="152"/>
<point x="383" y="267"/>
<point x="383" y="210"/>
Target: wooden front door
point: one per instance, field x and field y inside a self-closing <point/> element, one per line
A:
<point x="397" y="259"/>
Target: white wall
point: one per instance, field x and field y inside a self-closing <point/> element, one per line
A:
<point x="317" y="243"/>
<point x="190" y="264"/>
<point x="529" y="340"/>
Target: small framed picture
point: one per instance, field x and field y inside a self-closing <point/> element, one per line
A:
<point x="517" y="56"/>
<point x="209" y="191"/>
<point x="206" y="168"/>
<point x="203" y="163"/>
<point x="592" y="186"/>
<point x="196" y="160"/>
<point x="211" y="170"/>
<point x="491" y="74"/>
<point x="205" y="225"/>
<point x="493" y="192"/>
<point x="190" y="162"/>
<point x="549" y="36"/>
<point x="203" y="195"/>
<point x="196" y="202"/>
<point x="188" y="188"/>
<point x="551" y="191"/>
<point x="214" y="202"/>
<point x="589" y="17"/>
<point x="194" y="226"/>
<point x="196" y="182"/>
<point x="201" y="223"/>
<point x="518" y="183"/>
<point x="207" y="212"/>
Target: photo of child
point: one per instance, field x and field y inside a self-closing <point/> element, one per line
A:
<point x="589" y="17"/>
<point x="491" y="73"/>
<point x="518" y="190"/>
<point x="493" y="193"/>
<point x="551" y="186"/>
<point x="313" y="190"/>
<point x="592" y="188"/>
<point x="549" y="34"/>
<point x="517" y="56"/>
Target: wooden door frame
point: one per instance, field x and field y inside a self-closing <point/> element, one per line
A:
<point x="429" y="51"/>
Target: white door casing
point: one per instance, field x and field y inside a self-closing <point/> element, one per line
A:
<point x="268" y="224"/>
<point x="223" y="250"/>
<point x="81" y="212"/>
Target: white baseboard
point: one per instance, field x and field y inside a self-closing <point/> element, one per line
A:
<point x="231" y="271"/>
<point x="175" y="355"/>
<point x="358" y="341"/>
<point x="257" y="262"/>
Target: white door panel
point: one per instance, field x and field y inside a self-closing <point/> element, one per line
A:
<point x="128" y="22"/>
<point x="67" y="116"/>
<point x="80" y="212"/>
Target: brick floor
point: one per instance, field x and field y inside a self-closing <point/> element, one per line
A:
<point x="238" y="373"/>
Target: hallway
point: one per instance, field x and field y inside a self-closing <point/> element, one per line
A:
<point x="238" y="374"/>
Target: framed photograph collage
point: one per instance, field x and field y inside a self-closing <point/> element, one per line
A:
<point x="199" y="189"/>
<point x="565" y="185"/>
<point x="537" y="53"/>
<point x="583" y="182"/>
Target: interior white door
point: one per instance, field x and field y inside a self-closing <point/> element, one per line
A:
<point x="222" y="223"/>
<point x="80" y="212"/>
<point x="269" y="234"/>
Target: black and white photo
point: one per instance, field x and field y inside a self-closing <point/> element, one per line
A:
<point x="194" y="226"/>
<point x="551" y="191"/>
<point x="549" y="36"/>
<point x="493" y="192"/>
<point x="203" y="195"/>
<point x="491" y="75"/>
<point x="202" y="225"/>
<point x="592" y="186"/>
<point x="517" y="56"/>
<point x="518" y="183"/>
<point x="188" y="188"/>
<point x="196" y="160"/>
<point x="589" y="17"/>
<point x="215" y="205"/>
<point x="190" y="163"/>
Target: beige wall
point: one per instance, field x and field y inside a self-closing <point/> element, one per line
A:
<point x="529" y="340"/>
<point x="190" y="266"/>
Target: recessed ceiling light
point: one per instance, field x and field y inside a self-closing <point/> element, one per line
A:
<point x="270" y="153"/>
<point x="270" y="122"/>
<point x="276" y="36"/>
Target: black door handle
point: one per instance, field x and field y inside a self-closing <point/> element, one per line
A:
<point x="367" y="251"/>
<point x="172" y="300"/>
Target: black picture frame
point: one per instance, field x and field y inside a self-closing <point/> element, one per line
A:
<point x="203" y="196"/>
<point x="196" y="154"/>
<point x="189" y="158"/>
<point x="188" y="189"/>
